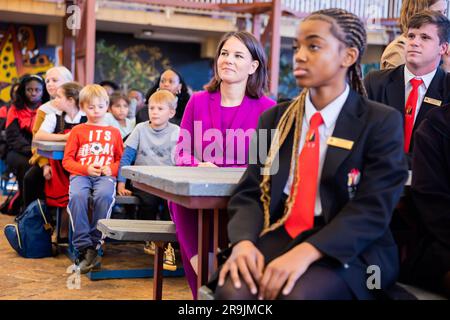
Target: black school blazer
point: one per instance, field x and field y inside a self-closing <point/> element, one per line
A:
<point x="356" y="233"/>
<point x="388" y="87"/>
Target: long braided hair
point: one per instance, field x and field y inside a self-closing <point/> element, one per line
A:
<point x="350" y="30"/>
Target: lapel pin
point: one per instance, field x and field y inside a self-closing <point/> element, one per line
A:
<point x="340" y="143"/>
<point x="432" y="101"/>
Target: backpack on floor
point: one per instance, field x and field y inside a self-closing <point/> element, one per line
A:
<point x="30" y="236"/>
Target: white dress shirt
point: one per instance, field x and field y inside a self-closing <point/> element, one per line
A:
<point x="426" y="80"/>
<point x="329" y="114"/>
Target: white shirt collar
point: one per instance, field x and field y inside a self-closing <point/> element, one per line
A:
<point x="331" y="111"/>
<point x="426" y="78"/>
<point x="48" y="107"/>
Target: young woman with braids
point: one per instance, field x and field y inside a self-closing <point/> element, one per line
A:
<point x="311" y="229"/>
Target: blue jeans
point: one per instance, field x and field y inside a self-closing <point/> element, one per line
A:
<point x="103" y="191"/>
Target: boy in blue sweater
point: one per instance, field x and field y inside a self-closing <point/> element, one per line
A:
<point x="152" y="144"/>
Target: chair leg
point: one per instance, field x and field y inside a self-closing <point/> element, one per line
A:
<point x="158" y="271"/>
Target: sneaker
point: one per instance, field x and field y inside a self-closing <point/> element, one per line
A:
<point x="150" y="248"/>
<point x="169" y="259"/>
<point x="88" y="260"/>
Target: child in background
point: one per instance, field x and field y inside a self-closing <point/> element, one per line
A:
<point x="34" y="179"/>
<point x="170" y="80"/>
<point x="31" y="93"/>
<point x="109" y="86"/>
<point x="92" y="157"/>
<point x="118" y="112"/>
<point x="152" y="144"/>
<point x="56" y="127"/>
<point x="140" y="101"/>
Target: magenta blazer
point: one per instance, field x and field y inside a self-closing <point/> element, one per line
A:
<point x="201" y="130"/>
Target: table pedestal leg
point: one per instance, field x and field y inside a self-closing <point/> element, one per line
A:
<point x="203" y="247"/>
<point x="216" y="238"/>
<point x="223" y="232"/>
<point x="158" y="271"/>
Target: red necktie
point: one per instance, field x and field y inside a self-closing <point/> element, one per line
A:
<point x="410" y="111"/>
<point x="302" y="215"/>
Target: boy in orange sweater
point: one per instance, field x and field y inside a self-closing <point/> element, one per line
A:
<point x="92" y="156"/>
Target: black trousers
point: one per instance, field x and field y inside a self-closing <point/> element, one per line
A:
<point x="427" y="266"/>
<point x="33" y="185"/>
<point x="19" y="164"/>
<point x="151" y="207"/>
<point x="319" y="282"/>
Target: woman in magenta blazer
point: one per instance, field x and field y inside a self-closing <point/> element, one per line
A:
<point x="230" y="107"/>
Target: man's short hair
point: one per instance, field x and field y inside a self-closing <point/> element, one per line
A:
<point x="432" y="17"/>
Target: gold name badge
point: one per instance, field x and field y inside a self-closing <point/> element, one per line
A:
<point x="432" y="101"/>
<point x="340" y="143"/>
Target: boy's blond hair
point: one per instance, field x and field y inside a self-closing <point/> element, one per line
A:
<point x="92" y="91"/>
<point x="164" y="97"/>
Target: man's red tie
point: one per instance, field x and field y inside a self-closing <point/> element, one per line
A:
<point x="410" y="111"/>
<point x="302" y="214"/>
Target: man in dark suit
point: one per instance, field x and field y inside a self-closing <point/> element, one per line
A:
<point x="429" y="263"/>
<point x="419" y="85"/>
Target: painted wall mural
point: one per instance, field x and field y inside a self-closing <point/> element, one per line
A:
<point x="23" y="51"/>
<point x="134" y="67"/>
<point x="137" y="63"/>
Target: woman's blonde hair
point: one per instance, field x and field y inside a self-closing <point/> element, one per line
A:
<point x="410" y="8"/>
<point x="63" y="71"/>
<point x="348" y="29"/>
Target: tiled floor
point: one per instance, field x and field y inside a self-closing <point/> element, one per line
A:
<point x="47" y="278"/>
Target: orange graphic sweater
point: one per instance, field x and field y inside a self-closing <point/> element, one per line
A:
<point x="91" y="144"/>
